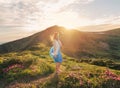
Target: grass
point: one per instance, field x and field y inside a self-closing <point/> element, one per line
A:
<point x="34" y="68"/>
<point x="84" y="75"/>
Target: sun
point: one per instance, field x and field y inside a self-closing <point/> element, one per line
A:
<point x="70" y="20"/>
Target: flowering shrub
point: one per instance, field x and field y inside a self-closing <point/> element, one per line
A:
<point x="107" y="79"/>
<point x="111" y="75"/>
<point x="71" y="81"/>
<point x="111" y="80"/>
<point x="5" y="70"/>
<point x="10" y="62"/>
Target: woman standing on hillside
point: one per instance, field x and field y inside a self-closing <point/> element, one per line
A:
<point x="55" y="52"/>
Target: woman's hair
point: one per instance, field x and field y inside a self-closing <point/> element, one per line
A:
<point x="54" y="36"/>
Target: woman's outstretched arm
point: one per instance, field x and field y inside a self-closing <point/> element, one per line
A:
<point x="60" y="43"/>
<point x="55" y="48"/>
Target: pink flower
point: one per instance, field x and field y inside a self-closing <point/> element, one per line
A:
<point x="110" y="75"/>
<point x="12" y="66"/>
<point x="118" y="79"/>
<point x="81" y="82"/>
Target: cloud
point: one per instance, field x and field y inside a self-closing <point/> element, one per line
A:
<point x="35" y="15"/>
<point x="21" y="12"/>
<point x="39" y="14"/>
<point x="99" y="28"/>
<point x="102" y="24"/>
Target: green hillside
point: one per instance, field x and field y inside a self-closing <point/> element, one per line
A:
<point x="34" y="68"/>
<point x="75" y="43"/>
<point x="90" y="60"/>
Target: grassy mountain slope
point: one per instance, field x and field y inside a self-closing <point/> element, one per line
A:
<point x="75" y="43"/>
<point x="35" y="69"/>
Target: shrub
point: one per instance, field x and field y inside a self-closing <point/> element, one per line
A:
<point x="110" y="83"/>
<point x="115" y="66"/>
<point x="85" y="60"/>
<point x="7" y="63"/>
<point x="71" y="81"/>
<point x="98" y="62"/>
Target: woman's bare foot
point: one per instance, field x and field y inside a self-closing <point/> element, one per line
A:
<point x="60" y="71"/>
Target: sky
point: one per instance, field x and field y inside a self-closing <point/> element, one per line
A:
<point x="21" y="18"/>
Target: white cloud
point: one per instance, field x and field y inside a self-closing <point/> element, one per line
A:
<point x="35" y="15"/>
<point x="21" y="12"/>
<point x="85" y="1"/>
<point x="108" y="20"/>
<point x="39" y="14"/>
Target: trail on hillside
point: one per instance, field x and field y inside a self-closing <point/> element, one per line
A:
<point x="36" y="82"/>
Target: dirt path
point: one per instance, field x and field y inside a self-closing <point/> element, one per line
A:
<point x="35" y="82"/>
<point x="31" y="84"/>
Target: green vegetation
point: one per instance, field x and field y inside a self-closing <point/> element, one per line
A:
<point x="76" y="44"/>
<point x="102" y="62"/>
<point x="33" y="68"/>
<point x="25" y="65"/>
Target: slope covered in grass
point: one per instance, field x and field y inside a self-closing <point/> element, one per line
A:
<point x="25" y="66"/>
<point x="34" y="68"/>
<point x="76" y="44"/>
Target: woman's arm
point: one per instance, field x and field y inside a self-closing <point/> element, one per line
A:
<point x="60" y="43"/>
<point x="55" y="48"/>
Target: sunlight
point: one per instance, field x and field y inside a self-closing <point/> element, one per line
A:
<point x="31" y="27"/>
<point x="71" y="20"/>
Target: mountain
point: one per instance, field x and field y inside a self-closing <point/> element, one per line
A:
<point x="27" y="42"/>
<point x="75" y="43"/>
<point x="99" y="27"/>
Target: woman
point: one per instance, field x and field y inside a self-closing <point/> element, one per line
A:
<point x="55" y="52"/>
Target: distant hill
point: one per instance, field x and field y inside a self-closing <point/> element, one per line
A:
<point x="75" y="43"/>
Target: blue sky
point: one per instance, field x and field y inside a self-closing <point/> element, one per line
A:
<point x="20" y="18"/>
<point x="102" y="8"/>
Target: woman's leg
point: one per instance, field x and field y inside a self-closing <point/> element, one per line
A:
<point x="58" y="67"/>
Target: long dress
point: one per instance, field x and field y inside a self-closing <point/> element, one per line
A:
<point x="58" y="57"/>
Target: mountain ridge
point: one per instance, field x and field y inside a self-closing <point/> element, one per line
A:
<point x="75" y="43"/>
